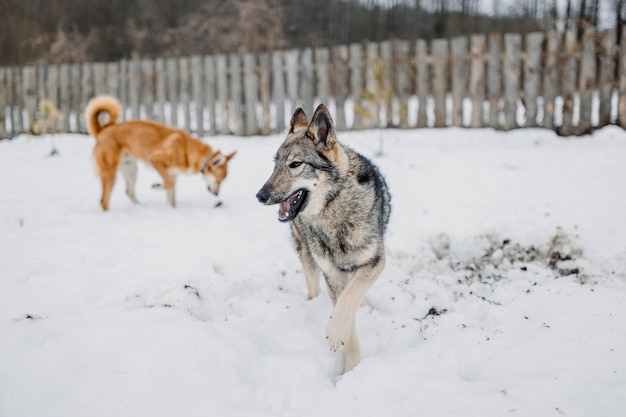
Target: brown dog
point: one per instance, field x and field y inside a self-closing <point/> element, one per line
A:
<point x="170" y="151"/>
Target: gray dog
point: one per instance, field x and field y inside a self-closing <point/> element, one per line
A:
<point x="338" y="205"/>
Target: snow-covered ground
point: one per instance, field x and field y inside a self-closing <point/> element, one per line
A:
<point x="504" y="292"/>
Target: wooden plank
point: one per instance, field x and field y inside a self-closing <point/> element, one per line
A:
<point x="322" y="85"/>
<point x="340" y="83"/>
<point x="607" y="82"/>
<point x="10" y="97"/>
<point x="440" y="80"/>
<point x="64" y="96"/>
<point x="134" y="88"/>
<point x="210" y="94"/>
<point x="251" y="94"/>
<point x="52" y="85"/>
<point x="29" y="91"/>
<point x="550" y="77"/>
<point x="42" y="75"/>
<point x="494" y="79"/>
<point x="236" y="93"/>
<point x="278" y="89"/>
<point x="292" y="68"/>
<point x="422" y="81"/>
<point x="306" y="81"/>
<point x="512" y="74"/>
<point x="147" y="89"/>
<point x="3" y="103"/>
<point x="568" y="82"/>
<point x="476" y="88"/>
<point x="99" y="78"/>
<point x="370" y="100"/>
<point x="587" y="82"/>
<point x="160" y="89"/>
<point x="185" y="93"/>
<point x="356" y="80"/>
<point x="123" y="81"/>
<point x="532" y="76"/>
<point x="384" y="80"/>
<point x="112" y="79"/>
<point x="14" y="91"/>
<point x="459" y="78"/>
<point x="265" y="93"/>
<point x="222" y="94"/>
<point x="172" y="91"/>
<point x="402" y="78"/>
<point x="197" y="93"/>
<point x="621" y="106"/>
<point x="86" y="93"/>
<point x="75" y="98"/>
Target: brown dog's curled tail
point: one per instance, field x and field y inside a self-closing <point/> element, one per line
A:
<point x="101" y="104"/>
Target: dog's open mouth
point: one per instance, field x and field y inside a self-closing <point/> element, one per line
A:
<point x="290" y="207"/>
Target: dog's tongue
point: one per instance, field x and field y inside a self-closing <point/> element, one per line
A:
<point x="285" y="207"/>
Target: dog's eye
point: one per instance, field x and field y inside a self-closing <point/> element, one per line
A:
<point x="295" y="164"/>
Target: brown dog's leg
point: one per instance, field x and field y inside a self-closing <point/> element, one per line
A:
<point x="169" y="181"/>
<point x="108" y="180"/>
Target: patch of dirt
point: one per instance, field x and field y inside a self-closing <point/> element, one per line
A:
<point x="499" y="255"/>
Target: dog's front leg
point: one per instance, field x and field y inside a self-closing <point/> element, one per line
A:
<point x="341" y="326"/>
<point x="311" y="270"/>
<point x="169" y="181"/>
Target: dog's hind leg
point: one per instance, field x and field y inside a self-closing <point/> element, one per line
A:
<point x="128" y="169"/>
<point x="311" y="270"/>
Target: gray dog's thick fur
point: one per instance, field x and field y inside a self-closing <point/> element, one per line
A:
<point x="338" y="205"/>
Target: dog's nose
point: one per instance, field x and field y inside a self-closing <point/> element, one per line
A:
<point x="263" y="196"/>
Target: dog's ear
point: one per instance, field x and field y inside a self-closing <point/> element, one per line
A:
<point x="230" y="155"/>
<point x="322" y="129"/>
<point x="298" y="120"/>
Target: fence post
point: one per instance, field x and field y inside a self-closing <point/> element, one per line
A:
<point x="477" y="79"/>
<point x="64" y="99"/>
<point x="147" y="88"/>
<point x="494" y="77"/>
<point x="235" y="92"/>
<point x="550" y="78"/>
<point x="608" y="57"/>
<point x="197" y="93"/>
<point x="339" y="80"/>
<point x="532" y="76"/>
<point x="112" y="78"/>
<point x="402" y="61"/>
<point x="440" y="80"/>
<point x="29" y="89"/>
<point x="587" y="82"/>
<point x="3" y="103"/>
<point x="356" y="80"/>
<point x="222" y="94"/>
<point x="160" y="90"/>
<point x="459" y="78"/>
<point x="568" y="82"/>
<point x="621" y="114"/>
<point x="209" y="92"/>
<point x="251" y="95"/>
<point x="278" y="89"/>
<point x="265" y="93"/>
<point x="512" y="51"/>
<point x="172" y="90"/>
<point x="422" y="81"/>
<point x="306" y="81"/>
<point x="185" y="92"/>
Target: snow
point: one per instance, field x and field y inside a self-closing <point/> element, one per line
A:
<point x="504" y="291"/>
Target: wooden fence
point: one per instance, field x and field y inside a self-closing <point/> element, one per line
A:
<point x="556" y="80"/>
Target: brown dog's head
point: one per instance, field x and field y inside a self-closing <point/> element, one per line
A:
<point x="215" y="169"/>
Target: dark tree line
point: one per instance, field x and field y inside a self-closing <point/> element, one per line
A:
<point x="109" y="30"/>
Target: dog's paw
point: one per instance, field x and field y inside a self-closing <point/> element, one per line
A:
<point x="338" y="332"/>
